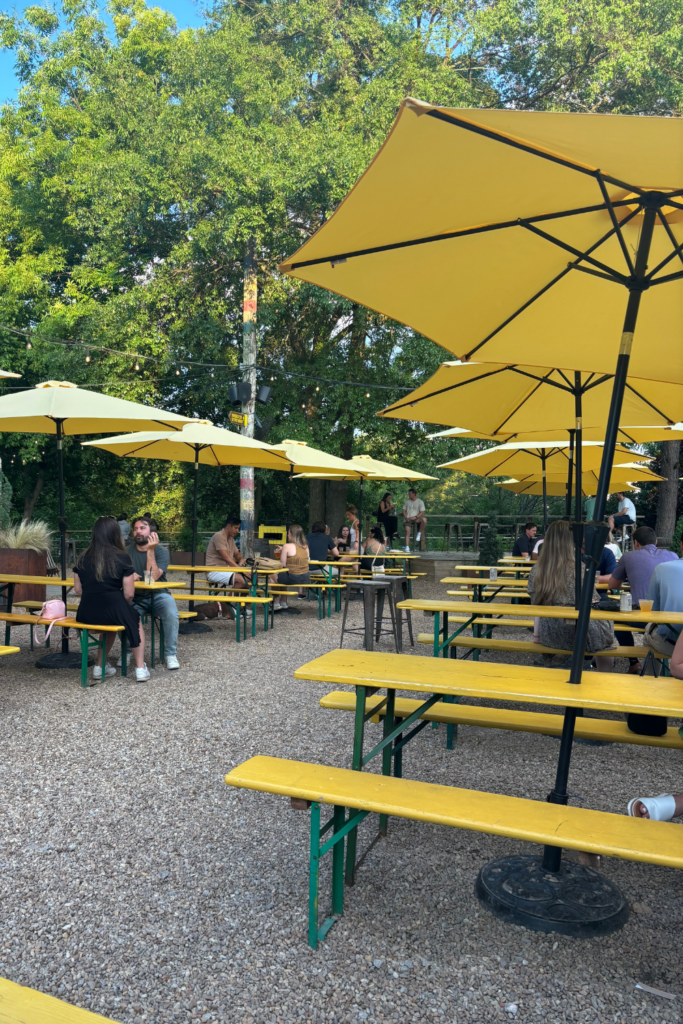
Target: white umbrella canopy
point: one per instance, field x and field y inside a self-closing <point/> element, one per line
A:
<point x="6" y="373"/>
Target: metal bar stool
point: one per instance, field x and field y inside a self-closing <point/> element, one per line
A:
<point x="372" y="627"/>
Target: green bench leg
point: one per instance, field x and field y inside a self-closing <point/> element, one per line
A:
<point x="84" y="658"/>
<point x="238" y="625"/>
<point x="387" y="752"/>
<point x="253" y="618"/>
<point x="313" y="876"/>
<point x="357" y="766"/>
<point x="451" y="729"/>
<point x="340" y="828"/>
<point x="124" y="654"/>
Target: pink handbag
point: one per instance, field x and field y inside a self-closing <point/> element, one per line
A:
<point x="53" y="610"/>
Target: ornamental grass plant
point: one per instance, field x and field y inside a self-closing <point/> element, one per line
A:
<point x="32" y="534"/>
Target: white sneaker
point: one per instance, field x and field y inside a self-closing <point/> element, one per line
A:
<point x="141" y="674"/>
<point x="119" y="663"/>
<point x="418" y="538"/>
<point x="109" y="670"/>
<point x="172" y="661"/>
<point x="407" y="550"/>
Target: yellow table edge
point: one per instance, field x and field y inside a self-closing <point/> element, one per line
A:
<point x="22" y="1005"/>
<point x="9" y="650"/>
<point x="541" y="611"/>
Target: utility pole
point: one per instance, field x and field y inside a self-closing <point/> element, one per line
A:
<point x="249" y="346"/>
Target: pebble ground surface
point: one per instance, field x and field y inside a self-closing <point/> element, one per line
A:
<point x="134" y="883"/>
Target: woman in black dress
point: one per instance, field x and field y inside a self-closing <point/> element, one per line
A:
<point x="104" y="580"/>
<point x="385" y="516"/>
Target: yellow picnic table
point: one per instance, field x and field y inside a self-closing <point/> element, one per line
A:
<point x="9" y="650"/>
<point x="473" y="608"/>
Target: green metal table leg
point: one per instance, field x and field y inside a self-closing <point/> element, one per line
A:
<point x="313" y="876"/>
<point x="10" y="601"/>
<point x="238" y="626"/>
<point x="357" y="766"/>
<point x="84" y="658"/>
<point x="338" y="864"/>
<point x="253" y="608"/>
<point x="152" y="625"/>
<point x="387" y="752"/>
<point x="124" y="654"/>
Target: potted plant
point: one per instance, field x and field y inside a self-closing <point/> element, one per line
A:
<point x="23" y="552"/>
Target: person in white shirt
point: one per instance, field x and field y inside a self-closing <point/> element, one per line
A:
<point x="413" y="512"/>
<point x="626" y="513"/>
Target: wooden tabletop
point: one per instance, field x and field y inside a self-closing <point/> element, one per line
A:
<point x="542" y="611"/>
<point x="603" y="691"/>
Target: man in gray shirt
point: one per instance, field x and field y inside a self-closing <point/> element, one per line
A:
<point x="638" y="565"/>
<point x="666" y="593"/>
<point x="147" y="554"/>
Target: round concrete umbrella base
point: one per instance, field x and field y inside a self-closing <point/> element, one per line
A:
<point x="188" y="628"/>
<point x="576" y="901"/>
<point x="61" y="660"/>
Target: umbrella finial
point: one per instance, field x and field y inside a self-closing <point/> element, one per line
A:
<point x="57" y="384"/>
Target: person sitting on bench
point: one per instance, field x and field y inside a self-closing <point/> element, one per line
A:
<point x="374" y="546"/>
<point x="321" y="545"/>
<point x="104" y="579"/>
<point x="148" y="555"/>
<point x="551" y="582"/>
<point x="666" y="593"/>
<point x="626" y="512"/>
<point x="294" y="557"/>
<point x="525" y="543"/>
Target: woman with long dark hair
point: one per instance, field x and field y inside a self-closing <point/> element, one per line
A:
<point x="104" y="580"/>
<point x="385" y="516"/>
<point x="374" y="547"/>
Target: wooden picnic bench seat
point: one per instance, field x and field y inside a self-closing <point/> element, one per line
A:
<point x="534" y="821"/>
<point x="87" y="642"/>
<point x="31" y="606"/>
<point x="22" y="1005"/>
<point x="502" y="718"/>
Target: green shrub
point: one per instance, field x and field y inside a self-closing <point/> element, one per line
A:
<point x="490" y="549"/>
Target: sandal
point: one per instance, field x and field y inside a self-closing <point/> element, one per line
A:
<point x="660" y="808"/>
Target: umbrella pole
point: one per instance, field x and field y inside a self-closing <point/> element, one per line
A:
<point x="596" y="536"/>
<point x="570" y="478"/>
<point x="545" y="494"/>
<point x="578" y="470"/>
<point x="61" y="659"/>
<point x="289" y="503"/>
<point x="360" y="517"/>
<point x="192" y="626"/>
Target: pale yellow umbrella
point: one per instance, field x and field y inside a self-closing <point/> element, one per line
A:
<point x="6" y="373"/>
<point x="623" y="478"/>
<point x="61" y="408"/>
<point x="626" y="435"/>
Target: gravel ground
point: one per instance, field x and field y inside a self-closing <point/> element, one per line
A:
<point x="135" y="883"/>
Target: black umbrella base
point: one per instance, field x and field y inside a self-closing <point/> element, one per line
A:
<point x="72" y="660"/>
<point x="188" y="628"/>
<point x="577" y="901"/>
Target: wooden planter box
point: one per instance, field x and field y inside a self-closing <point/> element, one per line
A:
<point x="185" y="558"/>
<point x="24" y="562"/>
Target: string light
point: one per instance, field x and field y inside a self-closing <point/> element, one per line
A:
<point x="29" y="346"/>
<point x="317" y="388"/>
<point x="303" y="405"/>
<point x="367" y="394"/>
<point x="137" y="365"/>
<point x="87" y="355"/>
<point x="177" y="373"/>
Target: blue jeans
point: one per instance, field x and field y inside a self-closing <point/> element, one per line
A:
<point x="167" y="610"/>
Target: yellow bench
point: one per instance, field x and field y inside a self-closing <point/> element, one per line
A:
<point x="577" y="828"/>
<point x="529" y="647"/>
<point x="21" y="1005"/>
<point x="21" y="619"/>
<point x="502" y="718"/>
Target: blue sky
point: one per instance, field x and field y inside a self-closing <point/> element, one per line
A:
<point x="186" y="13"/>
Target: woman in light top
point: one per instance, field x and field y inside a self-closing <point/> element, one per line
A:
<point x="373" y="548"/>
<point x="294" y="557"/>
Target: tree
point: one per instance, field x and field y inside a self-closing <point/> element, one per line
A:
<point x="668" y="492"/>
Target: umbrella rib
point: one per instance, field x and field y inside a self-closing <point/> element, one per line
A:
<point x="445" y="236"/>
<point x="523" y="402"/>
<point x="678" y="249"/>
<point x="601" y="380"/>
<point x="526" y="147"/>
<point x="542" y="380"/>
<point x="615" y="222"/>
<point x="539" y="293"/>
<point x="667" y="278"/>
<point x="596" y="273"/>
<point x="451" y="387"/>
<point x="654" y="407"/>
<point x="614" y="274"/>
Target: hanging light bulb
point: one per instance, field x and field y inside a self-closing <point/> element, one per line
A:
<point x="367" y="394"/>
<point x="317" y="388"/>
<point x="177" y="373"/>
<point x="272" y="378"/>
<point x="87" y="355"/>
<point x="212" y="373"/>
<point x="137" y="365"/>
<point x="29" y="346"/>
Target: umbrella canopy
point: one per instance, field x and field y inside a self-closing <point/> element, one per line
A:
<point x="521" y="459"/>
<point x="373" y="469"/>
<point x="198" y="441"/>
<point x="300" y="458"/>
<point x="520" y="398"/>
<point x="59" y="407"/>
<point x="626" y="435"/>
<point x="6" y="373"/>
<point x="622" y="479"/>
<point x="456" y="200"/>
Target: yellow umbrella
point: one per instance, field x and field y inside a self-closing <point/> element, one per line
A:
<point x="522" y="458"/>
<point x="62" y="408"/>
<point x="626" y="435"/>
<point x="6" y="373"/>
<point x="622" y="479"/>
<point x="518" y="399"/>
<point x="199" y="442"/>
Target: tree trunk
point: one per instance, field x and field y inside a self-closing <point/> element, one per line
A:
<point x="249" y="352"/>
<point x="316" y="508"/>
<point x="668" y="492"/>
<point x="30" y="500"/>
<point x="336" y="504"/>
